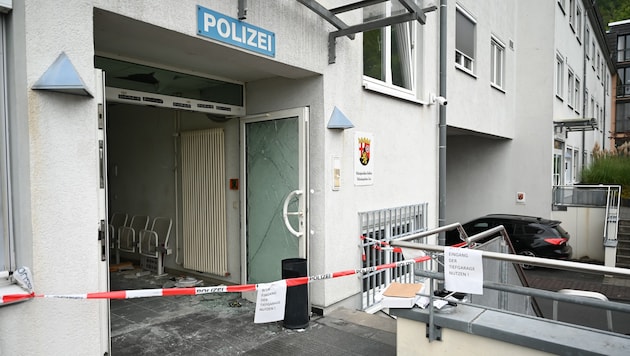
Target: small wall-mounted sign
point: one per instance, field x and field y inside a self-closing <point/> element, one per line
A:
<point x="229" y="30"/>
<point x="520" y="197"/>
<point x="234" y="184"/>
<point x="363" y="158"/>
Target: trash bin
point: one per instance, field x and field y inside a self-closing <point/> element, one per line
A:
<point x="296" y="307"/>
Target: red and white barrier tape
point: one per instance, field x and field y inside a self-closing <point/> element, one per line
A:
<point x="167" y="292"/>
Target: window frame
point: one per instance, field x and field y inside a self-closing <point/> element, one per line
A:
<point x="387" y="86"/>
<point x="586" y="107"/>
<point x="593" y="51"/>
<point x="577" y="99"/>
<point x="562" y="4"/>
<point x="578" y="22"/>
<point x="587" y="42"/>
<point x="570" y="88"/>
<point x="559" y="76"/>
<point x="497" y="58"/>
<point x="572" y="14"/>
<point x="464" y="61"/>
<point x="623" y="52"/>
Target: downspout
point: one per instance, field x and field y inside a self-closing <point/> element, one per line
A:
<point x="442" y="125"/>
<point x="584" y="101"/>
<point x="442" y="137"/>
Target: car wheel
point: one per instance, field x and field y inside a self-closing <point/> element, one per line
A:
<point x="528" y="254"/>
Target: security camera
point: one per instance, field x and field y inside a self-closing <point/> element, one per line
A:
<point x="438" y="99"/>
<point x="441" y="100"/>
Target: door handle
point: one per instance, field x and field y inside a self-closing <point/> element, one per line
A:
<point x="286" y="213"/>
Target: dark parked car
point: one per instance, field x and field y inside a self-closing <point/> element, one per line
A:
<point x="530" y="236"/>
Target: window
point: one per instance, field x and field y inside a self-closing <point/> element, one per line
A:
<point x="585" y="102"/>
<point x="623" y="48"/>
<point x="497" y="60"/>
<point x="576" y="165"/>
<point x="572" y="13"/>
<point x="577" y="95"/>
<point x="587" y="43"/>
<point x="570" y="88"/>
<point x="578" y="23"/>
<point x="558" y="147"/>
<point x="562" y="4"/>
<point x="464" y="41"/>
<point x="559" y="76"/>
<point x="568" y="166"/>
<point x="596" y="114"/>
<point x="598" y="64"/>
<point x="388" y="53"/>
<point x="593" y="52"/>
<point x="622" y="119"/>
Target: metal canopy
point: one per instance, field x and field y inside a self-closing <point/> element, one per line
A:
<point x="414" y="12"/>
<point x="577" y="124"/>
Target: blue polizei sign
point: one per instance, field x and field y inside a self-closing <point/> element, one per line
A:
<point x="229" y="30"/>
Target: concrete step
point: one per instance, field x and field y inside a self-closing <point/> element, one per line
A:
<point x="623" y="226"/>
<point x="623" y="236"/>
<point x="623" y="244"/>
<point x="624" y="213"/>
<point x="623" y="259"/>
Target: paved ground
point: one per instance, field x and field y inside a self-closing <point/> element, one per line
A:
<point x="614" y="288"/>
<point x="222" y="323"/>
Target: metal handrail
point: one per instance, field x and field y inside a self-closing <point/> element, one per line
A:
<point x="536" y="261"/>
<point x="517" y="259"/>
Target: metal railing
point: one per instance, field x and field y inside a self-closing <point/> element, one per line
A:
<point x="593" y="196"/>
<point x="378" y="229"/>
<point x="504" y="288"/>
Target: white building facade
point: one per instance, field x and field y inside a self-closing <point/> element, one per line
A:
<point x="524" y="76"/>
<point x="273" y="110"/>
<point x="291" y="124"/>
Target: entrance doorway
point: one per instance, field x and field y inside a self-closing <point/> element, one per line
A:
<point x="274" y="196"/>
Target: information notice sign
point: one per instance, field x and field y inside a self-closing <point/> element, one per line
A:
<point x="270" y="302"/>
<point x="463" y="270"/>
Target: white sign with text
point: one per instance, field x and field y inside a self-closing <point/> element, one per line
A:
<point x="463" y="270"/>
<point x="270" y="302"/>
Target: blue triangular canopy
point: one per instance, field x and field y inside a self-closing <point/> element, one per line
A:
<point x="339" y="121"/>
<point x="62" y="77"/>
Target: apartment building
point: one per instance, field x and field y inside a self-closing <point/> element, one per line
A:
<point x="267" y="131"/>
<point x="530" y="87"/>
<point x="618" y="36"/>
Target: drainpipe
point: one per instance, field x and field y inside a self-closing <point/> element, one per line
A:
<point x="584" y="101"/>
<point x="442" y="125"/>
<point x="442" y="137"/>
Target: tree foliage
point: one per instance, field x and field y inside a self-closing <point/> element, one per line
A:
<point x="613" y="10"/>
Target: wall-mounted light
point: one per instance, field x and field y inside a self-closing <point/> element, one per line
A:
<point x="62" y="77"/>
<point x="339" y="121"/>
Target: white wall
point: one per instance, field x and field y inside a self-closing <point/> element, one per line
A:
<point x="62" y="152"/>
<point x="410" y="338"/>
<point x="473" y="103"/>
<point x="586" y="228"/>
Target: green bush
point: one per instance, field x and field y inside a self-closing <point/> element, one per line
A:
<point x="609" y="167"/>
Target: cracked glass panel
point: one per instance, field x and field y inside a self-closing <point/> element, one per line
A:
<point x="272" y="169"/>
